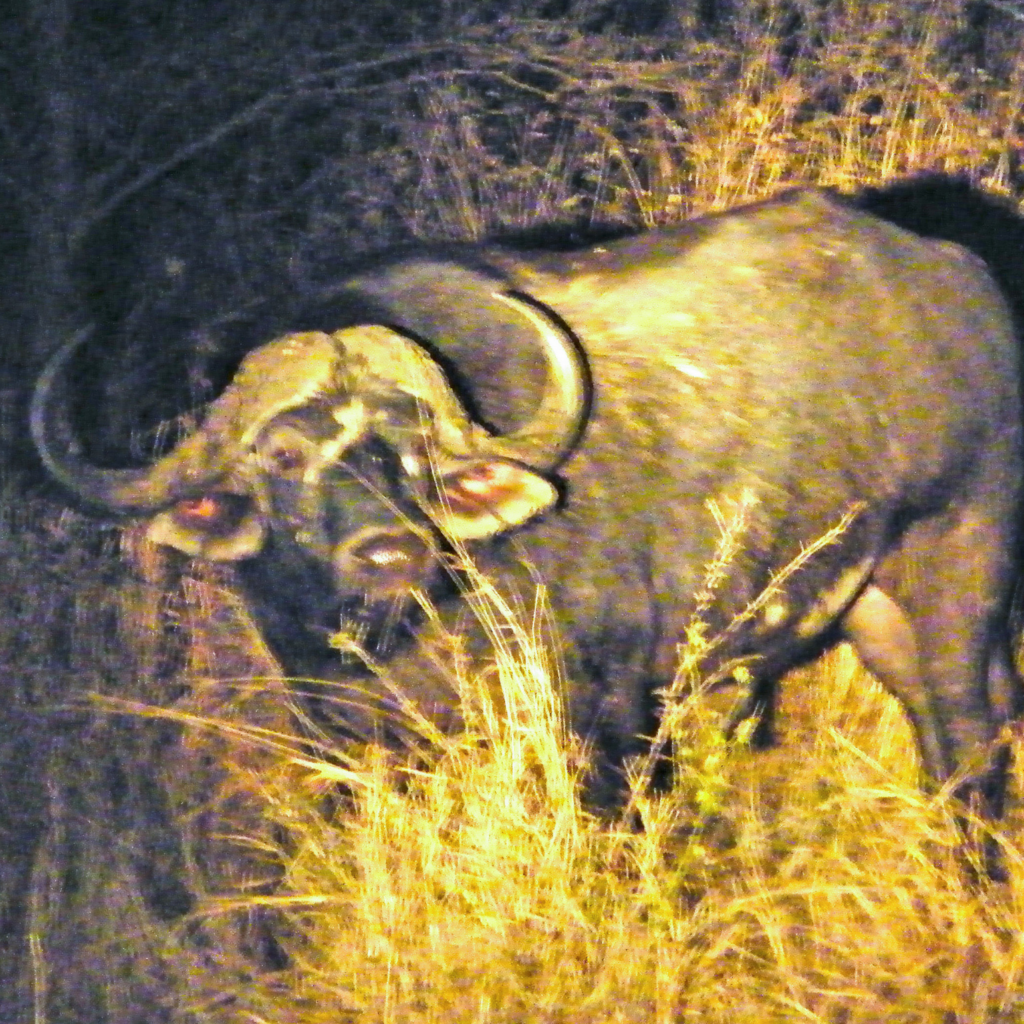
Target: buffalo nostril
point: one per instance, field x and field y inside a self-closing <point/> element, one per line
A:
<point x="386" y="565"/>
<point x="391" y="552"/>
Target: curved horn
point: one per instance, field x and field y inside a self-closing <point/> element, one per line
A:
<point x="122" y="490"/>
<point x="274" y="377"/>
<point x="489" y="334"/>
<point x="550" y="435"/>
<point x="374" y="352"/>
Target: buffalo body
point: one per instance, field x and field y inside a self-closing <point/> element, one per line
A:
<point x="798" y="356"/>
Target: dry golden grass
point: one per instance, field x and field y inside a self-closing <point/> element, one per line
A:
<point x="644" y="133"/>
<point x="816" y="881"/>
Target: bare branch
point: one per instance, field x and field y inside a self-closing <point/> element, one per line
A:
<point x="302" y="87"/>
<point x="1004" y="7"/>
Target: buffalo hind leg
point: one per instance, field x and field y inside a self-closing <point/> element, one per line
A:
<point x="885" y="643"/>
<point x="932" y="627"/>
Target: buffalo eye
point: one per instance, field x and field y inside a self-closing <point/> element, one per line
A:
<point x="286" y="459"/>
<point x="373" y="462"/>
<point x="215" y="514"/>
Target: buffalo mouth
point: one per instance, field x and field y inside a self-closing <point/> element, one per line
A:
<point x="312" y="625"/>
<point x="364" y="632"/>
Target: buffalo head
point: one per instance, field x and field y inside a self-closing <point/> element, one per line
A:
<point x="342" y="453"/>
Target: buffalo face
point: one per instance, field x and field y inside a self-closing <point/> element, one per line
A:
<point x="338" y="471"/>
<point x="358" y="508"/>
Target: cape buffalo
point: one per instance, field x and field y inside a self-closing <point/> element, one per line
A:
<point x="568" y="415"/>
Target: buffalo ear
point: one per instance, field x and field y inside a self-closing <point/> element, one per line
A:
<point x="485" y="497"/>
<point x="221" y="527"/>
